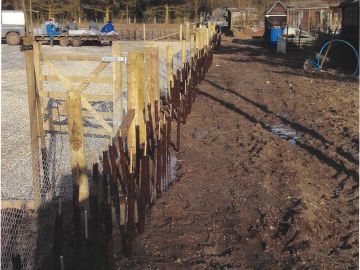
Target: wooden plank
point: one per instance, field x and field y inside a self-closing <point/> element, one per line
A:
<point x="66" y="81"/>
<point x="166" y="36"/>
<point x="71" y="57"/>
<point x="125" y="126"/>
<point x="62" y="112"/>
<point x="96" y="115"/>
<point x="33" y="113"/>
<point x="117" y="87"/>
<point x="82" y="79"/>
<point x="87" y="130"/>
<point x="63" y="95"/>
<point x="77" y="147"/>
<point x="18" y="204"/>
<point x="95" y="73"/>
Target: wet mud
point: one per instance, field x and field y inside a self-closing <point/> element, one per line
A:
<point x="267" y="173"/>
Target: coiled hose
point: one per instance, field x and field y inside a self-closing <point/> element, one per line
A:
<point x="317" y="64"/>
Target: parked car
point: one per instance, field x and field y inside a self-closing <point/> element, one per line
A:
<point x="12" y="26"/>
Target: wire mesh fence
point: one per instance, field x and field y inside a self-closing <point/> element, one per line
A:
<point x="31" y="196"/>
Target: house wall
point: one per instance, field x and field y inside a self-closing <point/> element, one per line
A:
<point x="315" y="19"/>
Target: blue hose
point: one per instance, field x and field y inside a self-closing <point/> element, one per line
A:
<point x="317" y="65"/>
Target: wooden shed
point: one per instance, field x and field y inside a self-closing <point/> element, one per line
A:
<point x="350" y="22"/>
<point x="349" y="33"/>
<point x="275" y="16"/>
<point x="238" y="17"/>
<point x="314" y="15"/>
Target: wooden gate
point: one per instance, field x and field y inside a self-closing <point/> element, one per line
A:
<point x="107" y="121"/>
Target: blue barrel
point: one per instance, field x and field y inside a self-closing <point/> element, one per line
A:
<point x="275" y="34"/>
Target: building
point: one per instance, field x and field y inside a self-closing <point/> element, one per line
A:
<point x="349" y="33"/>
<point x="314" y="15"/>
<point x="238" y="17"/>
<point x="350" y="22"/>
<point x="275" y="17"/>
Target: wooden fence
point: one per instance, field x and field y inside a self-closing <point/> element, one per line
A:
<point x="135" y="168"/>
<point x="154" y="31"/>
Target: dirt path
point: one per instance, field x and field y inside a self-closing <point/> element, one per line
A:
<point x="268" y="174"/>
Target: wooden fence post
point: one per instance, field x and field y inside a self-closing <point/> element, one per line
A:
<point x="77" y="146"/>
<point x="31" y="90"/>
<point x="169" y="68"/>
<point x="144" y="31"/>
<point x="207" y="38"/>
<point x="197" y="40"/>
<point x="183" y="52"/>
<point x="40" y="121"/>
<point x="117" y="87"/>
<point x="39" y="88"/>
<point x="166" y="14"/>
<point x="187" y="33"/>
<point x="203" y="38"/>
<point x="192" y="47"/>
<point x="152" y="75"/>
<point x="136" y="96"/>
<point x="181" y="32"/>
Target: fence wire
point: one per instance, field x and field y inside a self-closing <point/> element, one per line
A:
<point x="27" y="231"/>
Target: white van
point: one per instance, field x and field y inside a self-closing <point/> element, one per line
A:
<point x="12" y="26"/>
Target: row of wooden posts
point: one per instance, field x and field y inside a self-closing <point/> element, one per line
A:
<point x="135" y="169"/>
<point x="153" y="32"/>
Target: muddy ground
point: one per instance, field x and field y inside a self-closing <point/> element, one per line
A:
<point x="268" y="171"/>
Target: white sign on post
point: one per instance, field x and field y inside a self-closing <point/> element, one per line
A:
<point x="114" y="59"/>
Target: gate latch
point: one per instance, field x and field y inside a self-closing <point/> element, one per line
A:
<point x="24" y="47"/>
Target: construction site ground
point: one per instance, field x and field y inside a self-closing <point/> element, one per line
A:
<point x="267" y="172"/>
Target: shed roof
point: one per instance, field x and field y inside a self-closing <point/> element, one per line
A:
<point x="311" y="4"/>
<point x="277" y="8"/>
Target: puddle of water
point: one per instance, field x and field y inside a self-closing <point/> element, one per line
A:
<point x="285" y="133"/>
<point x="173" y="172"/>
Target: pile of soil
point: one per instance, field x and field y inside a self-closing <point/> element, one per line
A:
<point x="267" y="172"/>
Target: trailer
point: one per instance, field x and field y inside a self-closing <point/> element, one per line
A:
<point x="12" y="26"/>
<point x="77" y="39"/>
